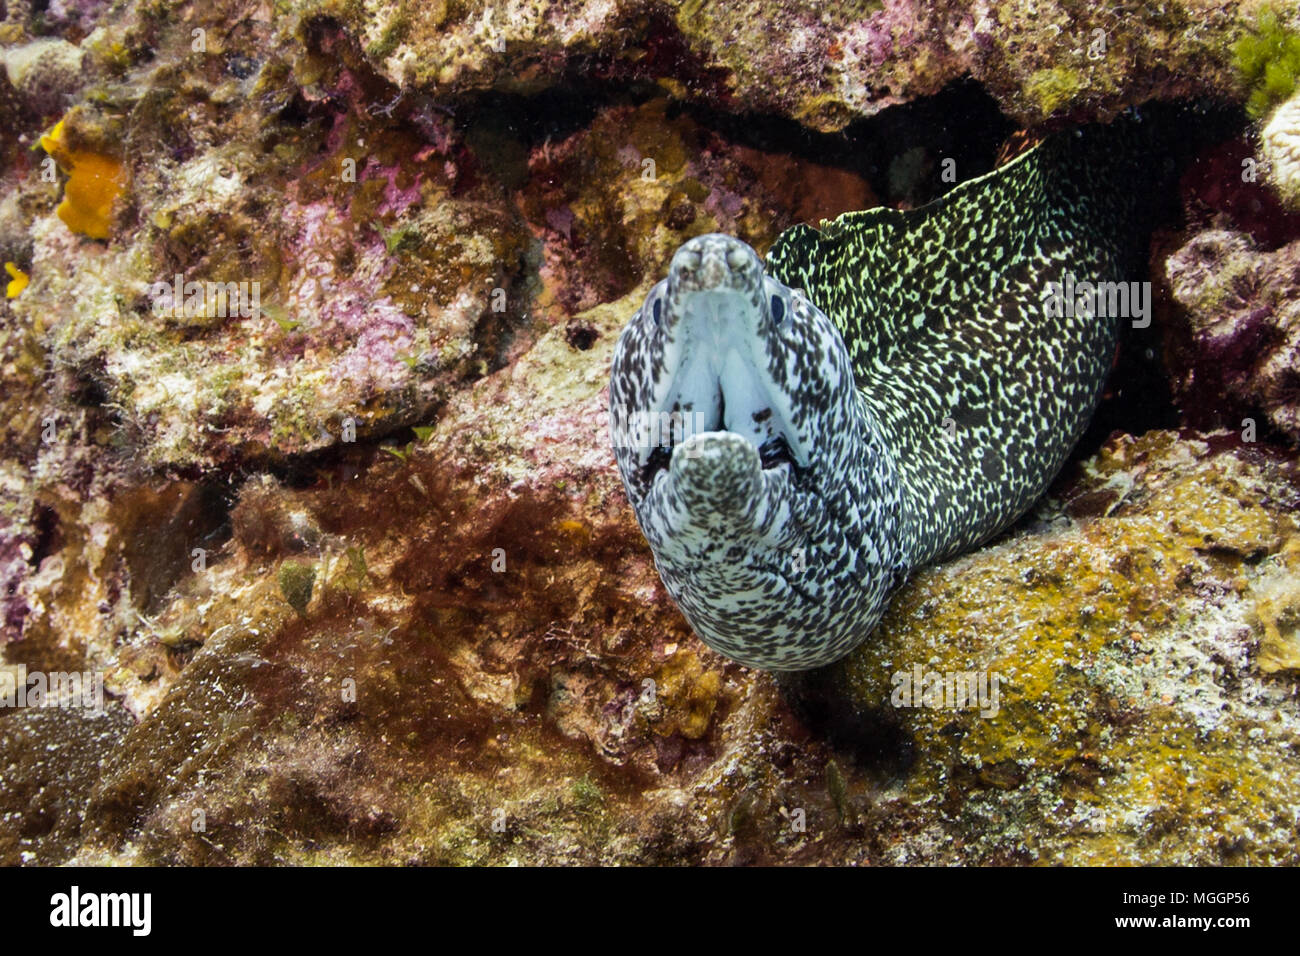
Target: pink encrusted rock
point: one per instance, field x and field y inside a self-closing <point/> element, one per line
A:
<point x="366" y="266"/>
<point x="1238" y="329"/>
<point x="822" y="64"/>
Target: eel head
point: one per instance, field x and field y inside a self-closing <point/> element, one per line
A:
<point x="757" y="474"/>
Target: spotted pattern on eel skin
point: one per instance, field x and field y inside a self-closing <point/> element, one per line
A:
<point x="797" y="436"/>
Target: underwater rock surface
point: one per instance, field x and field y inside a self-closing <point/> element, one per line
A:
<point x="1239" y="322"/>
<point x="823" y="65"/>
<point x="1144" y="630"/>
<point x="1142" y="627"/>
<point x="356" y="567"/>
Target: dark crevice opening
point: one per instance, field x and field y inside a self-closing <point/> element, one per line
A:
<point x="47" y="534"/>
<point x="962" y="122"/>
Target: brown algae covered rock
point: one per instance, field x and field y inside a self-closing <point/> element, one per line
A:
<point x="50" y="759"/>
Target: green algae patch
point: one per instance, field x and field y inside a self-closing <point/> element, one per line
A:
<point x="296" y="583"/>
<point x="1055" y="88"/>
<point x="1268" y="61"/>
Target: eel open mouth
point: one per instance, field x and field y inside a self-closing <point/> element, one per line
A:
<point x="721" y="383"/>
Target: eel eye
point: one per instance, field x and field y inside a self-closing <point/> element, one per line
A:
<point x="778" y="308"/>
<point x="657" y="309"/>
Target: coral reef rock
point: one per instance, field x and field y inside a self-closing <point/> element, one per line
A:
<point x="821" y="64"/>
<point x="303" y="446"/>
<point x="1236" y="331"/>
<point x="1280" y="142"/>
<point x="1143" y="633"/>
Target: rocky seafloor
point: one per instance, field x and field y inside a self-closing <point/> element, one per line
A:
<point x="356" y="568"/>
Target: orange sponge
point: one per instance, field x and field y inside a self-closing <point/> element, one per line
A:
<point x="17" y="281"/>
<point x="94" y="183"/>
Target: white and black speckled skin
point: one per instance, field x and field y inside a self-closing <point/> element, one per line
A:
<point x="933" y="314"/>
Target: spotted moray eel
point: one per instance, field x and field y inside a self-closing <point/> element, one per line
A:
<point x="890" y="392"/>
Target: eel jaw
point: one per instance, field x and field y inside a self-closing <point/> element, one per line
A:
<point x="773" y="453"/>
<point x="719" y="389"/>
<point x="717" y="473"/>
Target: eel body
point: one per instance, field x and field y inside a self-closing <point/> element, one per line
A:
<point x="797" y="436"/>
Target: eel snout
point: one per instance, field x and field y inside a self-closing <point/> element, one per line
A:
<point x="715" y="263"/>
